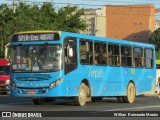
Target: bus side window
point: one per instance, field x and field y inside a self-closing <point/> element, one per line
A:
<point x="149" y="58"/>
<point x="126" y="56"/>
<point x="138" y="58"/>
<point x="100" y="53"/>
<point x="114" y="54"/>
<point x="86" y="52"/>
<point x="70" y="54"/>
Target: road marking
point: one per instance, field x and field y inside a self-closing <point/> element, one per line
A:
<point x="134" y="108"/>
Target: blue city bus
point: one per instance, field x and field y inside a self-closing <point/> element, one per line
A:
<point x="46" y="65"/>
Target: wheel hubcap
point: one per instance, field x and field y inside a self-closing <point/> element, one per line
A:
<point x="131" y="93"/>
<point x="82" y="95"/>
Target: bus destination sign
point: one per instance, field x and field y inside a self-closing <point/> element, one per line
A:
<point x="35" y="37"/>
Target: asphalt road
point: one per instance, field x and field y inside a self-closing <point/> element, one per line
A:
<point x="144" y="103"/>
<point x="101" y="108"/>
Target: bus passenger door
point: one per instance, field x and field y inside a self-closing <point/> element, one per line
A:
<point x="70" y="54"/>
<point x="70" y="63"/>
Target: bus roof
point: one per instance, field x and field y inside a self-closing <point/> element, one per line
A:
<point x="37" y="31"/>
<point x="95" y="38"/>
<point x="111" y="40"/>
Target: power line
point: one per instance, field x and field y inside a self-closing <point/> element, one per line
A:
<point x="82" y="4"/>
<point x="96" y="5"/>
<point x="66" y="3"/>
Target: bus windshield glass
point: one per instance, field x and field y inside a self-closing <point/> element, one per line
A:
<point x="36" y="58"/>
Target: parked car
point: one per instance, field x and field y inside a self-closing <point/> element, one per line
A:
<point x="4" y="76"/>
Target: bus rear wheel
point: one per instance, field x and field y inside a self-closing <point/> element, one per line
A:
<point x="38" y="101"/>
<point x="131" y="92"/>
<point x="80" y="100"/>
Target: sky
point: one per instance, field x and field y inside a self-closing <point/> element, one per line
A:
<point x="90" y="3"/>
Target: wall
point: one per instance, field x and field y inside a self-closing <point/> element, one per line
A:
<point x="130" y="22"/>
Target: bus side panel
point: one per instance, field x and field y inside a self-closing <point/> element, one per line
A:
<point x="144" y="79"/>
<point x="114" y="81"/>
<point x="103" y="80"/>
<point x="74" y="79"/>
<point x="148" y="82"/>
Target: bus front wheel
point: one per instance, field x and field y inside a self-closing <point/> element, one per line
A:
<point x="131" y="92"/>
<point x="80" y="100"/>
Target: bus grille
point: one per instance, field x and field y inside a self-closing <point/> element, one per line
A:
<point x="35" y="77"/>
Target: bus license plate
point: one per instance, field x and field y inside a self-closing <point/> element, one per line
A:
<point x="31" y="92"/>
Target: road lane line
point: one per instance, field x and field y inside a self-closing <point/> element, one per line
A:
<point x="134" y="108"/>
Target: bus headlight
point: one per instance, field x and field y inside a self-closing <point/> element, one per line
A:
<point x="7" y="82"/>
<point x="55" y="83"/>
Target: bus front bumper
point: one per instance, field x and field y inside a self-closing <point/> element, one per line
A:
<point x="39" y="92"/>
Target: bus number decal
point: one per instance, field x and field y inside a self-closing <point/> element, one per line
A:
<point x="96" y="73"/>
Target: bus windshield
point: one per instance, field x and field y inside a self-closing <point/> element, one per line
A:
<point x="36" y="58"/>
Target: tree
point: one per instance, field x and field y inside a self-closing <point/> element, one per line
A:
<point x="68" y="19"/>
<point x="155" y="39"/>
<point x="34" y="17"/>
<point x="5" y="21"/>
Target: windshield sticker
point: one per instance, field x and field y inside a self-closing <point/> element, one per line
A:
<point x="35" y="66"/>
<point x="19" y="66"/>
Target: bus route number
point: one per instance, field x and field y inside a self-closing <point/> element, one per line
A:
<point x="35" y="37"/>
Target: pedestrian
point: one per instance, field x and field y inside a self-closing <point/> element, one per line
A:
<point x="158" y="87"/>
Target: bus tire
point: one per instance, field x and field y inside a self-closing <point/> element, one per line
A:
<point x="80" y="100"/>
<point x="131" y="92"/>
<point x="38" y="101"/>
<point x="120" y="99"/>
<point x="96" y="99"/>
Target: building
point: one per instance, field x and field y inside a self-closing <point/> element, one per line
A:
<point x="100" y="29"/>
<point x="157" y="24"/>
<point x="89" y="17"/>
<point x="96" y="22"/>
<point x="130" y="22"/>
<point x="125" y="22"/>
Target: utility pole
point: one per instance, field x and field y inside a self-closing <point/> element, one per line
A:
<point x="93" y="26"/>
<point x="14" y="6"/>
<point x="68" y="2"/>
